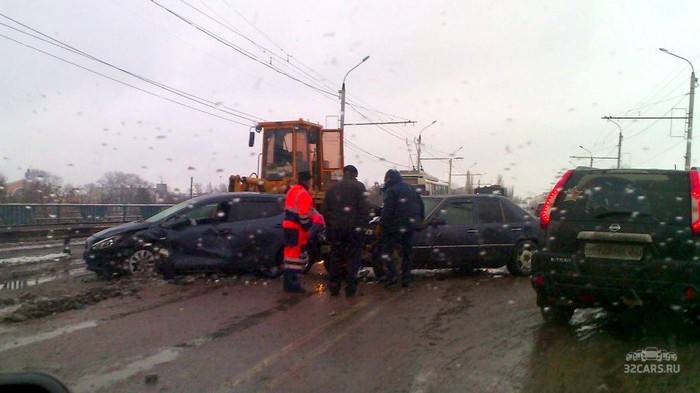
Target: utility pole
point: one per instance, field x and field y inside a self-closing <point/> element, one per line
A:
<point x="469" y="182"/>
<point x="342" y="94"/>
<point x="410" y="156"/>
<point x="619" y="150"/>
<point x="589" y="152"/>
<point x="191" y="184"/>
<point x="449" y="180"/>
<point x="418" y="147"/>
<point x="691" y="102"/>
<point x="591" y="158"/>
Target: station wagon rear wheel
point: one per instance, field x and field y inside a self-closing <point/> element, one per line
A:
<point x="521" y="263"/>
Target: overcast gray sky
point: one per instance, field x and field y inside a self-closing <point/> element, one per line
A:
<point x="519" y="84"/>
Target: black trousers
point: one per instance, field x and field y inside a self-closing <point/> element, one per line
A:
<point x="346" y="251"/>
<point x="404" y="241"/>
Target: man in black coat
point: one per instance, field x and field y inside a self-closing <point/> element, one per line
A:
<point x="347" y="214"/>
<point x="402" y="215"/>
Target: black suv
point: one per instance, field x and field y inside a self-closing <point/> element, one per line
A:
<point x="619" y="238"/>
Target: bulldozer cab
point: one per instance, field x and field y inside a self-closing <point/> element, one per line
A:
<point x="291" y="147"/>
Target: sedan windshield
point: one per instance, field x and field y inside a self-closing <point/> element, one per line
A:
<point x="168" y="212"/>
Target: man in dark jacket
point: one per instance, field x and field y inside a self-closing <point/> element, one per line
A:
<point x="402" y="214"/>
<point x="347" y="215"/>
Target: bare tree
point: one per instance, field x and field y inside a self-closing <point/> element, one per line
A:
<point x="374" y="194"/>
<point x="39" y="186"/>
<point x="120" y="187"/>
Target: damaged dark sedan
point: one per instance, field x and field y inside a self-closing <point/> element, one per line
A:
<point x="228" y="232"/>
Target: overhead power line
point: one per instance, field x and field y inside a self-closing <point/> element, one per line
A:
<point x="291" y="60"/>
<point x="350" y="143"/>
<point x="121" y="82"/>
<point x="656" y="121"/>
<point x="662" y="86"/>
<point x="399" y="137"/>
<point x="227" y="25"/>
<point x="240" y="50"/>
<point x="63" y="45"/>
<point x="664" y="151"/>
<point x="651" y="104"/>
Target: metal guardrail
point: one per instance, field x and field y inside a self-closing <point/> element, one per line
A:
<point x="25" y="214"/>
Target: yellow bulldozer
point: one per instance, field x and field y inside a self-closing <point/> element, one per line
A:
<point x="290" y="147"/>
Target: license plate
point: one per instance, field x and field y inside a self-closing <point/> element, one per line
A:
<point x="625" y="252"/>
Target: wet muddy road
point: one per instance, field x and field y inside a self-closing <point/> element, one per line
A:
<point x="448" y="333"/>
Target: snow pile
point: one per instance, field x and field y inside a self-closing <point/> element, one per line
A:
<point x="32" y="259"/>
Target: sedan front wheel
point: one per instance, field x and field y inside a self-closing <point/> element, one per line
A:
<point x="140" y="260"/>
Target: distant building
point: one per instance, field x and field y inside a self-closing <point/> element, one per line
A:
<point x="16" y="188"/>
<point x="161" y="190"/>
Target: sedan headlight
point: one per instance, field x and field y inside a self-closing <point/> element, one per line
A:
<point x="106" y="243"/>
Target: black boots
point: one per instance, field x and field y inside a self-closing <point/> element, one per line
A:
<point x="291" y="283"/>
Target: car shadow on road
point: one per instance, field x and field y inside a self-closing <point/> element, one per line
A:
<point x="593" y="353"/>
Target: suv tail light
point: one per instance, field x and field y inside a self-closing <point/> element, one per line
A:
<point x="545" y="213"/>
<point x="695" y="202"/>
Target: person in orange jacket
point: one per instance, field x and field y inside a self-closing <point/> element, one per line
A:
<point x="299" y="208"/>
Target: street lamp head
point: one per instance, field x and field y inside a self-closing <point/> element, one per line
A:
<point x="365" y="59"/>
<point x="680" y="57"/>
<point x="425" y="128"/>
<point x="581" y="147"/>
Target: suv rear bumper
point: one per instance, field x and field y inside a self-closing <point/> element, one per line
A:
<point x="556" y="284"/>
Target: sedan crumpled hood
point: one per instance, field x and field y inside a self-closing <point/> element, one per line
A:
<point x="123" y="228"/>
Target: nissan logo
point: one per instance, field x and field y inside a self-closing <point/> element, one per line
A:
<point x="614" y="227"/>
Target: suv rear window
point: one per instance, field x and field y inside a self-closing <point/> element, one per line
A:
<point x="632" y="196"/>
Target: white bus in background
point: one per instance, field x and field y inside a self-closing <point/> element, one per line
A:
<point x="424" y="183"/>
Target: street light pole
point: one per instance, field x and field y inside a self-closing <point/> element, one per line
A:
<point x="420" y="135"/>
<point x="589" y="152"/>
<point x="342" y="94"/>
<point x="449" y="181"/>
<point x="619" y="143"/>
<point x="691" y="102"/>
